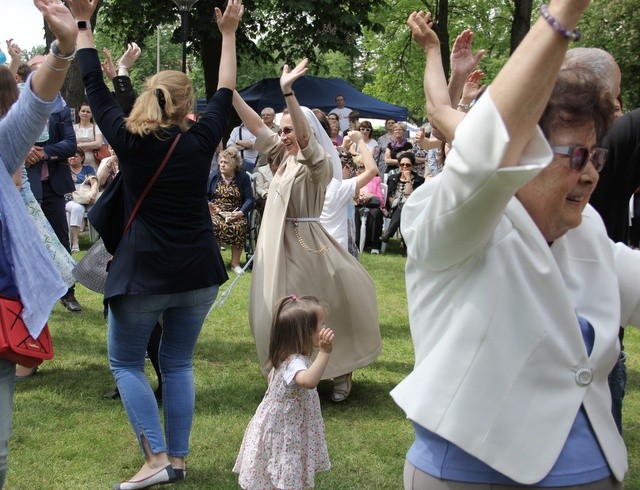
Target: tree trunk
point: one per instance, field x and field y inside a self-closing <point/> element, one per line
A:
<point x="521" y="22"/>
<point x="211" y="47"/>
<point x="442" y="30"/>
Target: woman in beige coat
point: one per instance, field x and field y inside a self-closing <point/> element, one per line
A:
<point x="295" y="254"/>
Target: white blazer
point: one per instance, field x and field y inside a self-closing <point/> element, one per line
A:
<point x="501" y="368"/>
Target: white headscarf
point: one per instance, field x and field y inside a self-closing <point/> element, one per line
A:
<point x="323" y="138"/>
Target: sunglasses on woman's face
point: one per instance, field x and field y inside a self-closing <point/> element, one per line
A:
<point x="365" y="129"/>
<point x="405" y="164"/>
<point x="285" y="130"/>
<point x="579" y="156"/>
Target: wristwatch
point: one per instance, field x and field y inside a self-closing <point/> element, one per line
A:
<point x="84" y="25"/>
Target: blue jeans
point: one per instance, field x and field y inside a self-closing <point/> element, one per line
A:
<point x="7" y="385"/>
<point x="132" y="318"/>
<point x="617" y="385"/>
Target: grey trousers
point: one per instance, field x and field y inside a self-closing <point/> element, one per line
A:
<point x="414" y="479"/>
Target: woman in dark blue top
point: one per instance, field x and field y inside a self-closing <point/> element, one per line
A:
<point x="168" y="262"/>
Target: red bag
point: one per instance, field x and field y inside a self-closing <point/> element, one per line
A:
<point x="16" y="343"/>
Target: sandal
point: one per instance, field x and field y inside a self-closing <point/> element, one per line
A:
<point x="342" y="388"/>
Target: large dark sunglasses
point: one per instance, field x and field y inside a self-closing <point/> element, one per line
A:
<point x="579" y="156"/>
<point x="285" y="130"/>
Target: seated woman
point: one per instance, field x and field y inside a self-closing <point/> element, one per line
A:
<point x="371" y="198"/>
<point x="334" y="126"/>
<point x="230" y="200"/>
<point x="515" y="292"/>
<point x="397" y="145"/>
<point x="86" y="182"/>
<point x="401" y="185"/>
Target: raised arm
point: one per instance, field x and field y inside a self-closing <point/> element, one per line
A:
<point x="15" y="53"/>
<point x="523" y="87"/>
<point x="46" y="83"/>
<point x="228" y="24"/>
<point x="311" y="377"/>
<point x="443" y="117"/>
<point x="370" y="167"/>
<point x="463" y="63"/>
<point x="250" y="118"/>
<point x="298" y="119"/>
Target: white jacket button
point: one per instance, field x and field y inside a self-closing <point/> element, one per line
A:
<point x="584" y="376"/>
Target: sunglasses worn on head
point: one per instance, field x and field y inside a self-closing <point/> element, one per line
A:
<point x="579" y="156"/>
<point x="285" y="130"/>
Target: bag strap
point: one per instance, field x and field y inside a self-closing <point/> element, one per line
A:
<point x="150" y="184"/>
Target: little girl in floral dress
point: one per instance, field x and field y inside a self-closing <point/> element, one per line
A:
<point x="284" y="444"/>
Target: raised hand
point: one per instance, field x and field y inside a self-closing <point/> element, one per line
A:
<point x="355" y="136"/>
<point x="325" y="340"/>
<point x="130" y="56"/>
<point x="60" y="21"/>
<point x="422" y="32"/>
<point x="228" y="22"/>
<point x="15" y="53"/>
<point x="289" y="76"/>
<point x="108" y="68"/>
<point x="463" y="61"/>
<point x="472" y="86"/>
<point x="83" y="9"/>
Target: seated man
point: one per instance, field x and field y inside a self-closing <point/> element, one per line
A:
<point x="401" y="185"/>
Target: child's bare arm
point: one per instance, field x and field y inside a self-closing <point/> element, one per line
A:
<point x="311" y="377"/>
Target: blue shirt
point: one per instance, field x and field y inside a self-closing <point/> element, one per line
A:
<point x="581" y="459"/>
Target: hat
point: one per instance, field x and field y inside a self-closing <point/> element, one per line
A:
<point x="36" y="60"/>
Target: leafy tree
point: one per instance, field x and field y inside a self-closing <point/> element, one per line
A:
<point x="272" y="31"/>
<point x="615" y="27"/>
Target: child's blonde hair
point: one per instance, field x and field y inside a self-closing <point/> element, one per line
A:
<point x="295" y="321"/>
<point x="165" y="101"/>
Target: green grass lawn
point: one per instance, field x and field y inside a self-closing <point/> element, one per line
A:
<point x="67" y="437"/>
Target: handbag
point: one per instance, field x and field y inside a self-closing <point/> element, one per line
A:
<point x="16" y="343"/>
<point x="91" y="271"/>
<point x="82" y="194"/>
<point x="108" y="214"/>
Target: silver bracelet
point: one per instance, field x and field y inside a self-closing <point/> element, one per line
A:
<point x="54" y="49"/>
<point x="46" y="62"/>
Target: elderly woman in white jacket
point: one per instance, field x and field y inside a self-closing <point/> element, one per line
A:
<point x="515" y="292"/>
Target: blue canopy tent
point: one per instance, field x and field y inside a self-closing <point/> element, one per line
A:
<point x="317" y="92"/>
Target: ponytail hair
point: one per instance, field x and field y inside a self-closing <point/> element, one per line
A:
<point x="164" y="102"/>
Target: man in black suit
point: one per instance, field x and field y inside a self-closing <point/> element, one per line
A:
<point x="50" y="177"/>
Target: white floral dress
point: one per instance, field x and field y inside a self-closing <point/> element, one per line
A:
<point x="284" y="444"/>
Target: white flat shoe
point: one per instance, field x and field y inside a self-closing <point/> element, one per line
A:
<point x="238" y="270"/>
<point x="164" y="475"/>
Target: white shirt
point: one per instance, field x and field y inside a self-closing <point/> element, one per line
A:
<point x="251" y="154"/>
<point x="335" y="216"/>
<point x="343" y="115"/>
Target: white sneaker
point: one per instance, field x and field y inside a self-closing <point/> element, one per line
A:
<point x="375" y="251"/>
<point x="75" y="249"/>
<point x="238" y="270"/>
